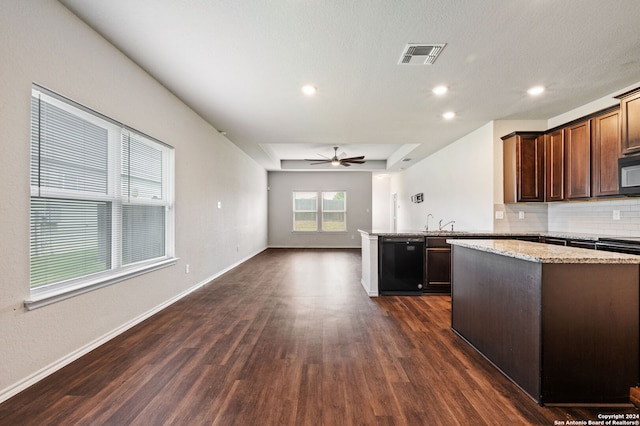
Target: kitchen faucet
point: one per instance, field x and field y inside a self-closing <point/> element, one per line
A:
<point x="426" y="227"/>
<point x="440" y="225"/>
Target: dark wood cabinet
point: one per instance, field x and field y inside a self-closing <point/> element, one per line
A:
<point x="523" y="154"/>
<point x="577" y="161"/>
<point x="605" y="150"/>
<point x="630" y="121"/>
<point x="554" y="165"/>
<point x="437" y="266"/>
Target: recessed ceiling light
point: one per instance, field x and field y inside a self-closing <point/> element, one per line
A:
<point x="309" y="89"/>
<point x="449" y="115"/>
<point x="536" y="90"/>
<point x="440" y="90"/>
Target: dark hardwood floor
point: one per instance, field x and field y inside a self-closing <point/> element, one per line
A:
<point x="287" y="338"/>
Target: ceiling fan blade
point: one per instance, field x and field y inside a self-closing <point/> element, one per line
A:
<point x="317" y="159"/>
<point x="344" y="154"/>
<point x="354" y="161"/>
<point x="353" y="158"/>
<point x="345" y="164"/>
<point x="319" y="162"/>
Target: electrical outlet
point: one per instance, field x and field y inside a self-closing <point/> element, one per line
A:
<point x="219" y="204"/>
<point x="499" y="214"/>
<point x="616" y="215"/>
<point x="520" y="215"/>
<point x="186" y="268"/>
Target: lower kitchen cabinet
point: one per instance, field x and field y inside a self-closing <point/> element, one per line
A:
<point x="437" y="266"/>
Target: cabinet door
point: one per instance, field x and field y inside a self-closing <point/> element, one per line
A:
<point x="523" y="168"/>
<point x="630" y="118"/>
<point x="438" y="267"/>
<point x="554" y="159"/>
<point x="530" y="154"/>
<point x="577" y="166"/>
<point x="606" y="150"/>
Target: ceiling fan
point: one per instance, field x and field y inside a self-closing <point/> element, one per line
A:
<point x="335" y="161"/>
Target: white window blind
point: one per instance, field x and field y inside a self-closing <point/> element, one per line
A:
<point x="101" y="196"/>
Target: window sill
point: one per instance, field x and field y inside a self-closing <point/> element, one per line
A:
<point x="319" y="232"/>
<point x="46" y="297"/>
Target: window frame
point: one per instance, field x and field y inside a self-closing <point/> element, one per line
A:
<point x="45" y="294"/>
<point x="319" y="211"/>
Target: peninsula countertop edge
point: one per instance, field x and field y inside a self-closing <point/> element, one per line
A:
<point x="545" y="253"/>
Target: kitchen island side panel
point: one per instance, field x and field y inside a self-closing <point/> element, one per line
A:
<point x="590" y="329"/>
<point x="496" y="304"/>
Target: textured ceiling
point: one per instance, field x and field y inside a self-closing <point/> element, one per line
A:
<point x="241" y="64"/>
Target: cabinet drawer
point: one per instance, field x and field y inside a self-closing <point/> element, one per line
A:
<point x="437" y="242"/>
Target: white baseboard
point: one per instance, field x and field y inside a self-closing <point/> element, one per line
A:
<point x="370" y="293"/>
<point x="69" y="358"/>
<point x="315" y="247"/>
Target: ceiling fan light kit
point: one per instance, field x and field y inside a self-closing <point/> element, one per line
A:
<point x="335" y="161"/>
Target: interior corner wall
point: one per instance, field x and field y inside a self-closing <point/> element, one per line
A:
<point x="41" y="41"/>
<point x="283" y="184"/>
<point x="457" y="183"/>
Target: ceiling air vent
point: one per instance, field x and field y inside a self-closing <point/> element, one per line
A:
<point x="420" y="53"/>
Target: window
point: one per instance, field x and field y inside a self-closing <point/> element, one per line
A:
<point x="332" y="211"/>
<point x="305" y="211"/>
<point x="101" y="198"/>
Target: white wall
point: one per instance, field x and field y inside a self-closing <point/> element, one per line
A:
<point x="281" y="186"/>
<point x="381" y="202"/>
<point x="42" y="42"/>
<point x="457" y="183"/>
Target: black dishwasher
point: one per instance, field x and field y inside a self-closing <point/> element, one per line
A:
<point x="401" y="265"/>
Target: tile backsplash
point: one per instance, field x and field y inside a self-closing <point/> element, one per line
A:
<point x="535" y="217"/>
<point x="586" y="217"/>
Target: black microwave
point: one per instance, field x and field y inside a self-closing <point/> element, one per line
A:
<point x="629" y="175"/>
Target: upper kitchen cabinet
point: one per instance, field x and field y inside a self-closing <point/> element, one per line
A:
<point x="554" y="153"/>
<point x="605" y="149"/>
<point x="523" y="167"/>
<point x="577" y="166"/>
<point x="630" y="121"/>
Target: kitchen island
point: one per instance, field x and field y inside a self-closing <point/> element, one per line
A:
<point x="561" y="322"/>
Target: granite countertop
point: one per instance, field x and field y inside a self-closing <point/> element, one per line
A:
<point x="443" y="233"/>
<point x="488" y="234"/>
<point x="545" y="253"/>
